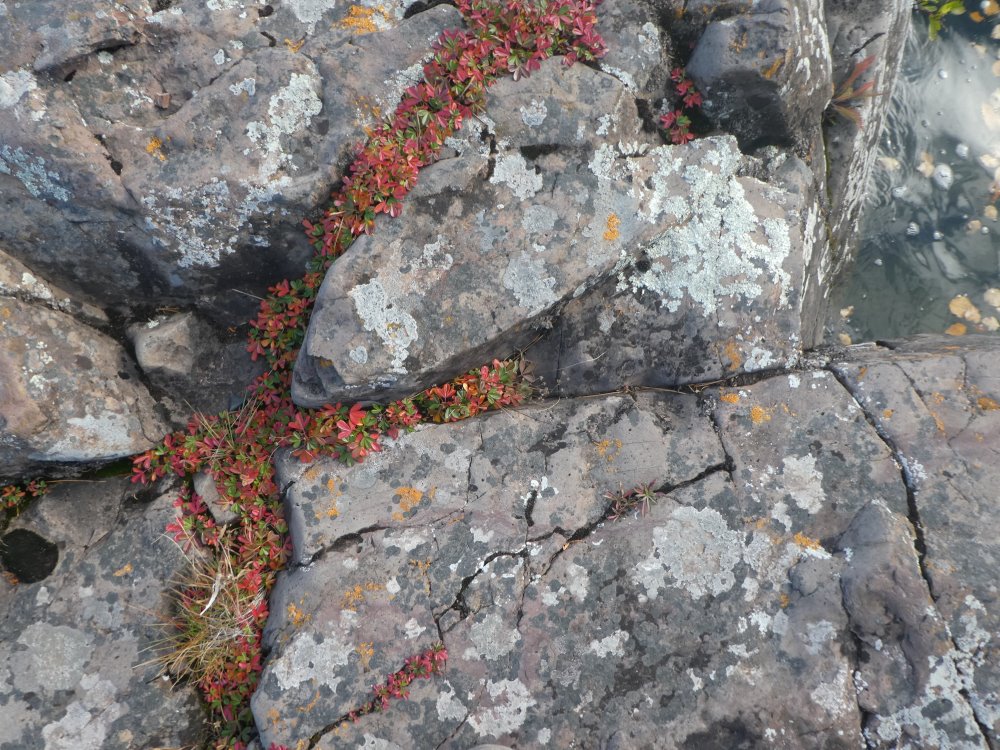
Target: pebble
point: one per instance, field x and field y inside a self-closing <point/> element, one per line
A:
<point x="943" y="176"/>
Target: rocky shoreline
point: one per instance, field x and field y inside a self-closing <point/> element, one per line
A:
<point x="703" y="530"/>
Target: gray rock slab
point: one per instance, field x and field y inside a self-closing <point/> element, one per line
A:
<point x="76" y="646"/>
<point x="536" y="454"/>
<point x="68" y="394"/>
<point x="670" y="243"/>
<point x="445" y="520"/>
<point x="773" y="596"/>
<point x="489" y="244"/>
<point x="720" y="293"/>
<point x="179" y="165"/>
<point x="644" y="634"/>
<point x="937" y="401"/>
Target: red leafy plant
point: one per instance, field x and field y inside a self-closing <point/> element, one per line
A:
<point x="847" y="98"/>
<point x="14" y="498"/>
<point x="678" y="121"/>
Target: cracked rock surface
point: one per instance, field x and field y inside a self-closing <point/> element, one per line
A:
<point x="171" y="150"/>
<point x="69" y="395"/>
<point x="777" y="594"/>
<point x="77" y="633"/>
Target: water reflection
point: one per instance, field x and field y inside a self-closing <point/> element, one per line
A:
<point x="930" y="231"/>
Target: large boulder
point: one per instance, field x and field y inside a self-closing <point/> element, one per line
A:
<point x="69" y="395"/>
<point x="574" y="207"/>
<point x="172" y="155"/>
<point x="773" y="591"/>
<point x="493" y="239"/>
<point x="85" y="572"/>
<point x="765" y="73"/>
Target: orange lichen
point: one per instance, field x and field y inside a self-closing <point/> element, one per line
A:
<point x="155" y="148"/>
<point x="612" y="232"/>
<point x="956" y="329"/>
<point x="294" y="46"/>
<point x="360" y="20"/>
<point x="773" y="68"/>
<point x="807" y="542"/>
<point x="759" y="415"/>
<point x="987" y="404"/>
<point x="783" y="600"/>
<point x="366" y="650"/>
<point x="409" y="498"/>
<point x="422" y="567"/>
<point x="733" y="354"/>
<point x="887" y="413"/>
<point x="123" y="571"/>
<point x="609" y="449"/>
<point x="356" y="595"/>
<point x="297" y="616"/>
<point x="730" y="398"/>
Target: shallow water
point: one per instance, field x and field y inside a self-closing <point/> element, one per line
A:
<point x="930" y="230"/>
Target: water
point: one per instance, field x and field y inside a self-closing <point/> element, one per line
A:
<point x="930" y="231"/>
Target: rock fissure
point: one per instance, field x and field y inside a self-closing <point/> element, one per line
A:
<point x="906" y="477"/>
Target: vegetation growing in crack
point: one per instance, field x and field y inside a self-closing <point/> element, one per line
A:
<point x="14" y="498"/>
<point x="221" y="651"/>
<point x="677" y="122"/>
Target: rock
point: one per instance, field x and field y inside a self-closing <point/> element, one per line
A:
<point x="166" y="345"/>
<point x="68" y="394"/>
<point x="765" y="73"/>
<point x="754" y="567"/>
<point x="206" y="488"/>
<point x="907" y="675"/>
<point x="16" y="280"/>
<point x="715" y="295"/>
<point x="51" y="40"/>
<point x="194" y="367"/>
<point x="938" y="404"/>
<point x="75" y="669"/>
<point x="451" y="501"/>
<point x="856" y="31"/>
<point x="637" y="48"/>
<point x="417" y="302"/>
<point x="119" y="171"/>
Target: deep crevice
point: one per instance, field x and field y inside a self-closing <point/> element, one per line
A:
<point x="913" y="511"/>
<point x="422" y="6"/>
<point x="459" y="604"/>
<point x="341" y="543"/>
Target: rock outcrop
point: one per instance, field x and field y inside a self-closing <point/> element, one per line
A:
<point x="800" y="579"/>
<point x="703" y="533"/>
<point x="69" y="395"/>
<point x="172" y="152"/>
<point x="79" y="631"/>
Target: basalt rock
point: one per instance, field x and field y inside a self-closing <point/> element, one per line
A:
<point x="172" y="155"/>
<point x="68" y="394"/>
<point x="78" y="635"/>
